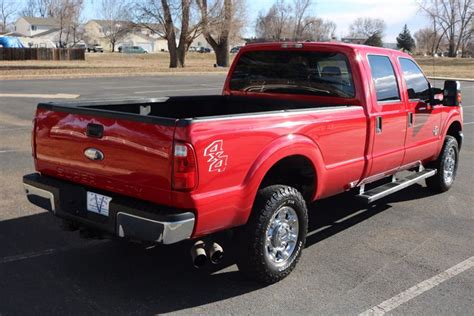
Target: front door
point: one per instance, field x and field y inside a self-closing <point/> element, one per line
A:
<point x="424" y="120"/>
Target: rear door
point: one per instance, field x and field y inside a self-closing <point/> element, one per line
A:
<point x="424" y="120"/>
<point x="388" y="116"/>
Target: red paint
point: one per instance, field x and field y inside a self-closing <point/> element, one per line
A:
<point x="228" y="158"/>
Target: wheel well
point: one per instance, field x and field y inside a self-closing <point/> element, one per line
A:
<point x="454" y="130"/>
<point x="295" y="171"/>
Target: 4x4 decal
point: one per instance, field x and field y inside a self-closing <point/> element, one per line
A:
<point x="216" y="158"/>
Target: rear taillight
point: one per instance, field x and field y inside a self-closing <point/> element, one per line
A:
<point x="185" y="176"/>
<point x="33" y="140"/>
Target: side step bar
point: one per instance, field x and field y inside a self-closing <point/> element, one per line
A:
<point x="395" y="186"/>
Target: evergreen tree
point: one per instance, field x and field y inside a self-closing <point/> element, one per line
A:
<point x="374" y="40"/>
<point x="405" y="41"/>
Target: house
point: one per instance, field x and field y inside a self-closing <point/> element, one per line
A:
<point x="129" y="34"/>
<point x="150" y="44"/>
<point x="31" y="26"/>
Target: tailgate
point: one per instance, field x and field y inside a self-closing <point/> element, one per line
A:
<point x="130" y="156"/>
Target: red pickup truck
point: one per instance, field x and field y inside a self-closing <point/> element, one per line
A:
<point x="296" y="122"/>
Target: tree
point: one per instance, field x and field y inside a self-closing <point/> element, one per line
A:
<point x="374" y="40"/>
<point x="300" y="14"/>
<point x="7" y="10"/>
<point x="115" y="14"/>
<point x="37" y="8"/>
<point x="318" y="30"/>
<point x="367" y="27"/>
<point x="453" y="18"/>
<point x="371" y="29"/>
<point x="220" y="22"/>
<point x="426" y="40"/>
<point x="283" y="22"/>
<point x="67" y="13"/>
<point x="405" y="41"/>
<point x="159" y="16"/>
<point x="275" y="24"/>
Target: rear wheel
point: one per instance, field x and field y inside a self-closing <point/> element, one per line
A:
<point x="272" y="241"/>
<point x="446" y="166"/>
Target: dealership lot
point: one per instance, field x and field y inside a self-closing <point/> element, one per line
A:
<point x="356" y="257"/>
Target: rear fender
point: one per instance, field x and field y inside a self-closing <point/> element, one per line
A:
<point x="285" y="146"/>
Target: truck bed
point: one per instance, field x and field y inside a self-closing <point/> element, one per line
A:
<point x="168" y="110"/>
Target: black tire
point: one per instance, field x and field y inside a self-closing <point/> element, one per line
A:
<point x="439" y="183"/>
<point x="252" y="259"/>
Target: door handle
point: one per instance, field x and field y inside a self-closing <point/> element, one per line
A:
<point x="378" y="125"/>
<point x="410" y="119"/>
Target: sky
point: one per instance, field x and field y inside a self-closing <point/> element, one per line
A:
<point x="396" y="13"/>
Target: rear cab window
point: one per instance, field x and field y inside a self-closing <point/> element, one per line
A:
<point x="383" y="76"/>
<point x="418" y="87"/>
<point x="294" y="72"/>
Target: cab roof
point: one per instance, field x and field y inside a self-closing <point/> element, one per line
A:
<point x="326" y="45"/>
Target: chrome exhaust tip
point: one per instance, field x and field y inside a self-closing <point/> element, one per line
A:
<point x="198" y="254"/>
<point x="215" y="253"/>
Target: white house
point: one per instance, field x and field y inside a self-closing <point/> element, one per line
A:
<point x="31" y="26"/>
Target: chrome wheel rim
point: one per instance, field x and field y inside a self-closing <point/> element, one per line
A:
<point x="449" y="166"/>
<point x="281" y="236"/>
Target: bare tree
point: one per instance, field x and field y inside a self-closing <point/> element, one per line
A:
<point x="160" y="16"/>
<point x="7" y="9"/>
<point x="467" y="41"/>
<point x="275" y="24"/>
<point x="221" y="20"/>
<point x="453" y="17"/>
<point x="426" y="40"/>
<point x="67" y="13"/>
<point x="300" y="20"/>
<point x="37" y="8"/>
<point x="367" y="27"/>
<point x="115" y="24"/>
<point x="318" y="30"/>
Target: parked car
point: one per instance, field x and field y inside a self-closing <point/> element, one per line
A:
<point x="193" y="49"/>
<point x="133" y="50"/>
<point x="203" y="50"/>
<point x="235" y="49"/>
<point x="297" y="122"/>
<point x="80" y="45"/>
<point x="96" y="48"/>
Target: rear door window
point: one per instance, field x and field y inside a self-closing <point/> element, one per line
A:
<point x="384" y="78"/>
<point x="417" y="85"/>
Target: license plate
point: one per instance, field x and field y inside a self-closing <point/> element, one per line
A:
<point x="98" y="203"/>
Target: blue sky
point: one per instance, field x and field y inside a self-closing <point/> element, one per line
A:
<point x="342" y="12"/>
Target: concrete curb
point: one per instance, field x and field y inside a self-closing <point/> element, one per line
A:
<point x="449" y="78"/>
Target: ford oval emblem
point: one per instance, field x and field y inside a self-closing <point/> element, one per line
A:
<point x="94" y="154"/>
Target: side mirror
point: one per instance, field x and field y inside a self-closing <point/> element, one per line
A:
<point x="452" y="93"/>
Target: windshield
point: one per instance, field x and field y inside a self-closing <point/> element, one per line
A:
<point x="294" y="72"/>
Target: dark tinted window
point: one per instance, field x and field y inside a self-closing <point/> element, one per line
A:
<point x="384" y="78"/>
<point x="417" y="84"/>
<point x="294" y="72"/>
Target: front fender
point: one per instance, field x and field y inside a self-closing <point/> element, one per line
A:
<point x="452" y="117"/>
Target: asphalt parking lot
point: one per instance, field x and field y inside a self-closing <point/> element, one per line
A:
<point x="356" y="257"/>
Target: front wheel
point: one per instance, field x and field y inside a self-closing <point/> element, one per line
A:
<point x="274" y="237"/>
<point x="446" y="166"/>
